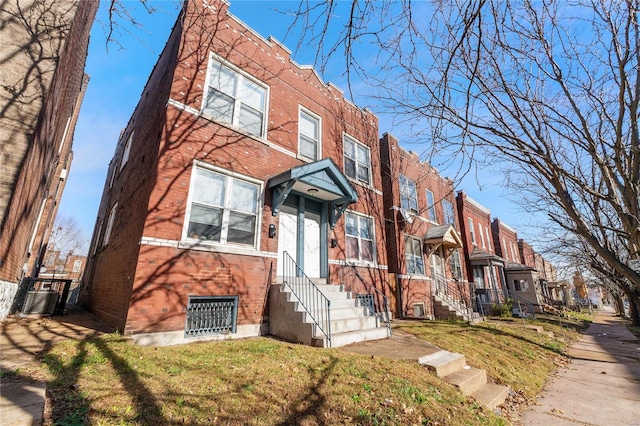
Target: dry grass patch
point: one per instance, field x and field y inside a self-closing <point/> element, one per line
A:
<point x="510" y="353"/>
<point x="108" y="380"/>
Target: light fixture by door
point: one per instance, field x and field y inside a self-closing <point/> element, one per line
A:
<point x="312" y="191"/>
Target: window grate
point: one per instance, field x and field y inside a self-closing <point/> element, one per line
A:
<point x="366" y="300"/>
<point x="210" y="315"/>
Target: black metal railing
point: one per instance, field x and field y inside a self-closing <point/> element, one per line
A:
<point x="453" y="294"/>
<point x="525" y="308"/>
<point x="311" y="299"/>
<point x="370" y="297"/>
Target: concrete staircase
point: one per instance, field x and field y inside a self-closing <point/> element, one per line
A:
<point x="445" y="308"/>
<point x="471" y="381"/>
<point x="350" y="322"/>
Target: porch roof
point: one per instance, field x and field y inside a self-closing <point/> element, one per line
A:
<point x="514" y="266"/>
<point x="478" y="256"/>
<point x="442" y="235"/>
<point x="321" y="180"/>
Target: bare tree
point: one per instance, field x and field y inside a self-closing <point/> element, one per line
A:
<point x="550" y="88"/>
<point x="67" y="238"/>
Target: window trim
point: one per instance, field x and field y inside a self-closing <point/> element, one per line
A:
<point x="77" y="262"/>
<point x="356" y="142"/>
<point x="472" y="232"/>
<point x="107" y="233"/>
<point x="409" y="187"/>
<point x="235" y="117"/>
<point x="188" y="242"/>
<point x="374" y="248"/>
<point x="303" y="110"/>
<point x="126" y="152"/>
<point x="484" y="245"/>
<point x="455" y="262"/>
<point x="488" y="235"/>
<point x="413" y="255"/>
<point x="431" y="208"/>
<point x="444" y="212"/>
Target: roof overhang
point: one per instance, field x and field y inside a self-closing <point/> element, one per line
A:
<point x="483" y="257"/>
<point x="444" y="236"/>
<point x="321" y="180"/>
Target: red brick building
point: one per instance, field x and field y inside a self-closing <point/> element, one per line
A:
<point x="422" y="234"/>
<point x="42" y="83"/>
<point x="485" y="268"/>
<point x="234" y="155"/>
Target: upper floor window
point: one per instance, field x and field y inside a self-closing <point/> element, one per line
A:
<point x="76" y="265"/>
<point x="431" y="207"/>
<point x="484" y="245"/>
<point x="112" y="218"/>
<point x="127" y="150"/>
<point x="222" y="209"/>
<point x="357" y="160"/>
<point x="359" y="237"/>
<point x="447" y="211"/>
<point x="488" y="235"/>
<point x="408" y="194"/>
<point x="235" y="98"/>
<point x="413" y="255"/>
<point x="472" y="233"/>
<point x="309" y="135"/>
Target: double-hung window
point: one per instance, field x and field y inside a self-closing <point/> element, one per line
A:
<point x="408" y="194"/>
<point x="456" y="266"/>
<point x="112" y="218"/>
<point x="431" y="207"/>
<point x="447" y="211"/>
<point x="235" y="98"/>
<point x="413" y="255"/>
<point x="359" y="237"/>
<point x="472" y="233"/>
<point x="357" y="160"/>
<point x="222" y="209"/>
<point x="309" y="134"/>
<point x="127" y="151"/>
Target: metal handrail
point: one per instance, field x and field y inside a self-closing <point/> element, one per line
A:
<point x="521" y="300"/>
<point x="311" y="299"/>
<point x="381" y="312"/>
<point x="451" y="295"/>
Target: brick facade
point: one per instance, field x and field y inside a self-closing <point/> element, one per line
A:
<point x="41" y="91"/>
<point x="141" y="279"/>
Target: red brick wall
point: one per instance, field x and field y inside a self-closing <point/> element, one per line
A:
<point x="38" y="178"/>
<point x="526" y="253"/>
<point x="503" y="240"/>
<point x="468" y="210"/>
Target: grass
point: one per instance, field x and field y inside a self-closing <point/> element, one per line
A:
<point x="110" y="381"/>
<point x="259" y="381"/>
<point x="515" y="356"/>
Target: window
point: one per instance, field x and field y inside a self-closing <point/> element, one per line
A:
<point x="481" y="235"/>
<point x="521" y="285"/>
<point x="514" y="252"/>
<point x="309" y="134"/>
<point x="357" y="160"/>
<point x="234" y="98"/>
<point x="127" y="150"/>
<point x="76" y="265"/>
<point x="486" y="232"/>
<point x="408" y="194"/>
<point x="112" y="217"/>
<point x="211" y="315"/>
<point x="359" y="230"/>
<point x="447" y="211"/>
<point x="456" y="267"/>
<point x="431" y="207"/>
<point x="413" y="255"/>
<point x="505" y="248"/>
<point x="471" y="231"/>
<point x="222" y="209"/>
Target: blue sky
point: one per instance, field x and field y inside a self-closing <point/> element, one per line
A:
<point x="119" y="73"/>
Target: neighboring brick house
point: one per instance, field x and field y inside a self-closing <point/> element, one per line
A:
<point x="423" y="243"/>
<point x="42" y="84"/>
<point x="485" y="269"/>
<point x="234" y="155"/>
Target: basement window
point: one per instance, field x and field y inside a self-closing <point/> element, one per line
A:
<point x="211" y="315"/>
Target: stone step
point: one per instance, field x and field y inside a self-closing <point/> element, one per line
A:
<point x="468" y="379"/>
<point x="353" y="324"/>
<point x="491" y="395"/>
<point x="347" y="338"/>
<point x="443" y="362"/>
<point x="344" y="312"/>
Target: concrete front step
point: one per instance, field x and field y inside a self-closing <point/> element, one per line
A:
<point x="443" y="362"/>
<point x="347" y="338"/>
<point x="491" y="395"/>
<point x="468" y="380"/>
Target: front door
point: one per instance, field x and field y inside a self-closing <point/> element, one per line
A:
<point x="437" y="266"/>
<point x="302" y="236"/>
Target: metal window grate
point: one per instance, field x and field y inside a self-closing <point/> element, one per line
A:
<point x="207" y="315"/>
<point x="367" y="301"/>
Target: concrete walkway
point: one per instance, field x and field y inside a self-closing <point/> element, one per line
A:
<point x="22" y="341"/>
<point x="601" y="385"/>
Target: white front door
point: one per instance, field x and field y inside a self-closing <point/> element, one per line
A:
<point x="437" y="267"/>
<point x="287" y="236"/>
<point x="312" y="244"/>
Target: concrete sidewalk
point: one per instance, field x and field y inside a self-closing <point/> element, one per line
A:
<point x="22" y="341"/>
<point x="601" y="385"/>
